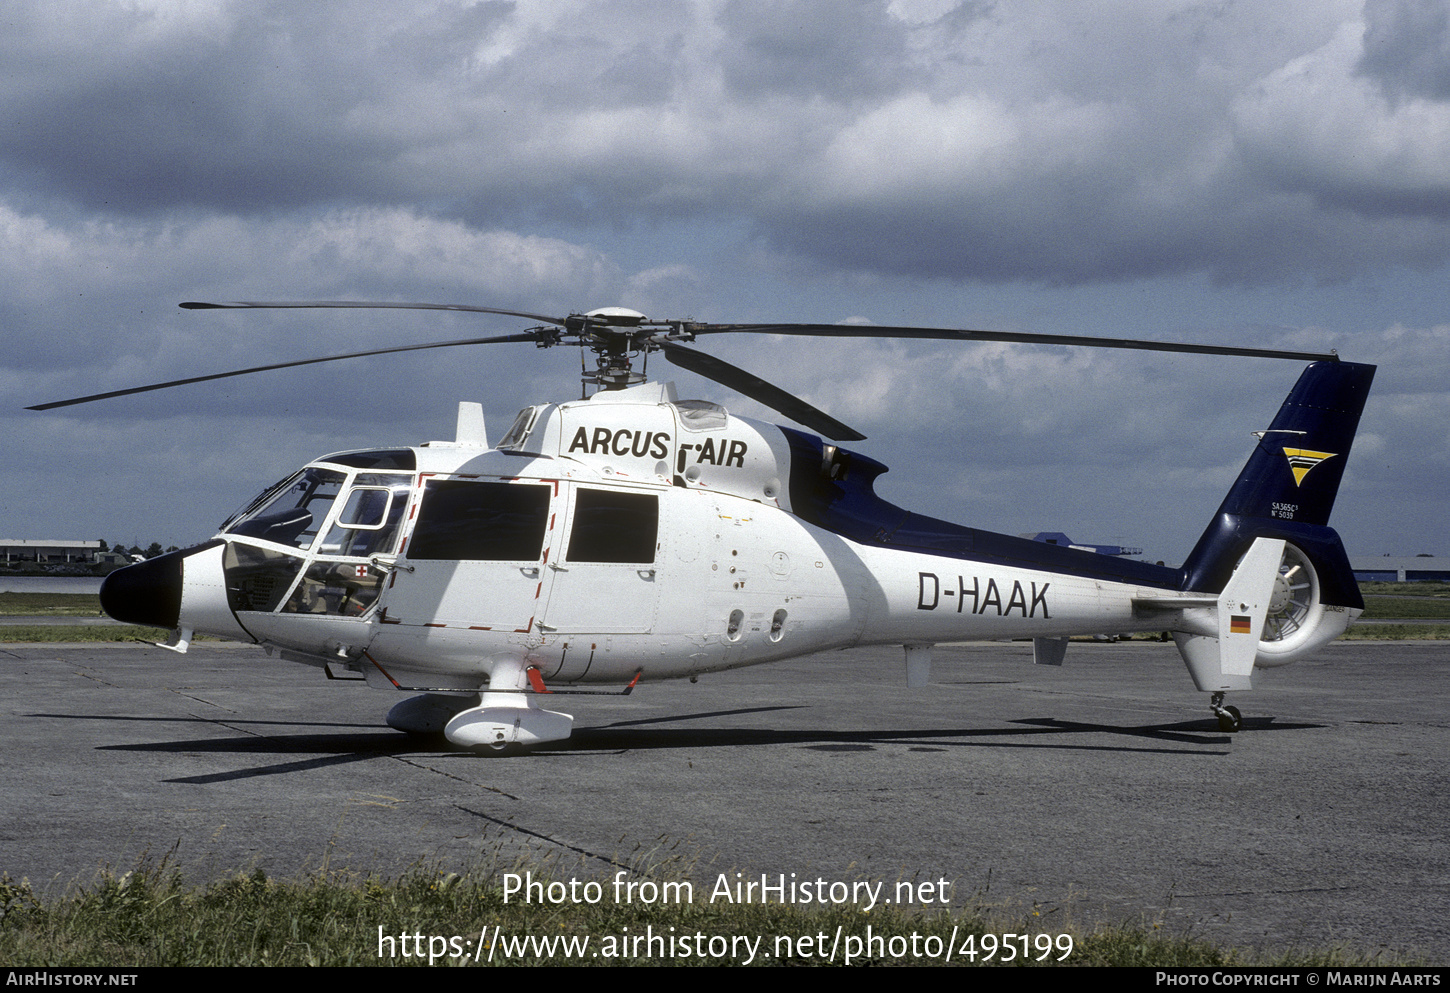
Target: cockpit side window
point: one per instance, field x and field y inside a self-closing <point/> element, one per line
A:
<point x="366" y="508"/>
<point x="372" y="511"/>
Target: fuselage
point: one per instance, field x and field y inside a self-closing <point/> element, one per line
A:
<point x="626" y="534"/>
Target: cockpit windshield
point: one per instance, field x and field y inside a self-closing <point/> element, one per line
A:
<point x="336" y="576"/>
<point x="291" y="512"/>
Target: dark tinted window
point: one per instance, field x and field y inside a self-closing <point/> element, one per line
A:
<point x="612" y="526"/>
<point x="480" y="521"/>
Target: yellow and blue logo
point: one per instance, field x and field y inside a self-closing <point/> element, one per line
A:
<point x="1301" y="460"/>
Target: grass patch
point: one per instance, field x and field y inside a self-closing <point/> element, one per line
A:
<point x="1398" y="607"/>
<point x="149" y="917"/>
<point x="66" y="605"/>
<point x="1397" y="632"/>
<point x="50" y="604"/>
<point x="1404" y="589"/>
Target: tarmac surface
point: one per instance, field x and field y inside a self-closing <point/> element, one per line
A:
<point x="1099" y="791"/>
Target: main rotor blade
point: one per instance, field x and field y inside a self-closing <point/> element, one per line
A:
<point x="758" y="389"/>
<point x="362" y="305"/>
<point x="534" y="336"/>
<point x="948" y="334"/>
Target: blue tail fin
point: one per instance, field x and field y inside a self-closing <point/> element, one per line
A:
<point x="1288" y="487"/>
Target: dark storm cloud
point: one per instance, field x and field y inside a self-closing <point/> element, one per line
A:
<point x="854" y="50"/>
<point x="281" y="106"/>
<point x="112" y="110"/>
<point x="959" y="141"/>
<point x="1176" y="145"/>
<point x="1407" y="47"/>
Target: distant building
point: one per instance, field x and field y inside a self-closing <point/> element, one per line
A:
<point x="36" y="550"/>
<point x="1058" y="538"/>
<point x="1401" y="568"/>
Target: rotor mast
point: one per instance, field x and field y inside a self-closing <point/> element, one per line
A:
<point x="617" y="335"/>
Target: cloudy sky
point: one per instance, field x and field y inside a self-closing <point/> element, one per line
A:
<point x="1272" y="174"/>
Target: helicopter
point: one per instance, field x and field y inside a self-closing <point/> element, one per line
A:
<point x="633" y="535"/>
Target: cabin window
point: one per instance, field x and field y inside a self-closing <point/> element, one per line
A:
<point x="614" y="526"/>
<point x="472" y="521"/>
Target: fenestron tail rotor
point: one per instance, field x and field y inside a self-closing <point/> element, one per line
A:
<point x="617" y="336"/>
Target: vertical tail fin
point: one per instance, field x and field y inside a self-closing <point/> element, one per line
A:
<point x="1301" y="457"/>
<point x="1286" y="491"/>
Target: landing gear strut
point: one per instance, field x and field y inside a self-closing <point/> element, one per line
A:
<point x="1229" y="718"/>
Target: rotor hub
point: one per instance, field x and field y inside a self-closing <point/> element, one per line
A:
<point x="617" y="335"/>
<point x="1282" y="595"/>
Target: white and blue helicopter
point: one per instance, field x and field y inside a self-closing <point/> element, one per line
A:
<point x="634" y="535"/>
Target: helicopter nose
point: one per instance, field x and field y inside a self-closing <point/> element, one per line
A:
<point x="146" y="593"/>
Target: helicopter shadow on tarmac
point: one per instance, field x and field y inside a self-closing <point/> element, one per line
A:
<point x="1202" y="735"/>
<point x="317" y="745"/>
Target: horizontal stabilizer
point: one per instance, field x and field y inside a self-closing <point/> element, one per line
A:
<point x="1147" y="601"/>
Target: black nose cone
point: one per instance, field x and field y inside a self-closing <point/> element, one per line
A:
<point x="146" y="593"/>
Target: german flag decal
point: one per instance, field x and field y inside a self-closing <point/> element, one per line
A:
<point x="1301" y="460"/>
<point x="1239" y="624"/>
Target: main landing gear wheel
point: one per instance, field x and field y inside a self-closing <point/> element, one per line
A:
<point x="1229" y="718"/>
